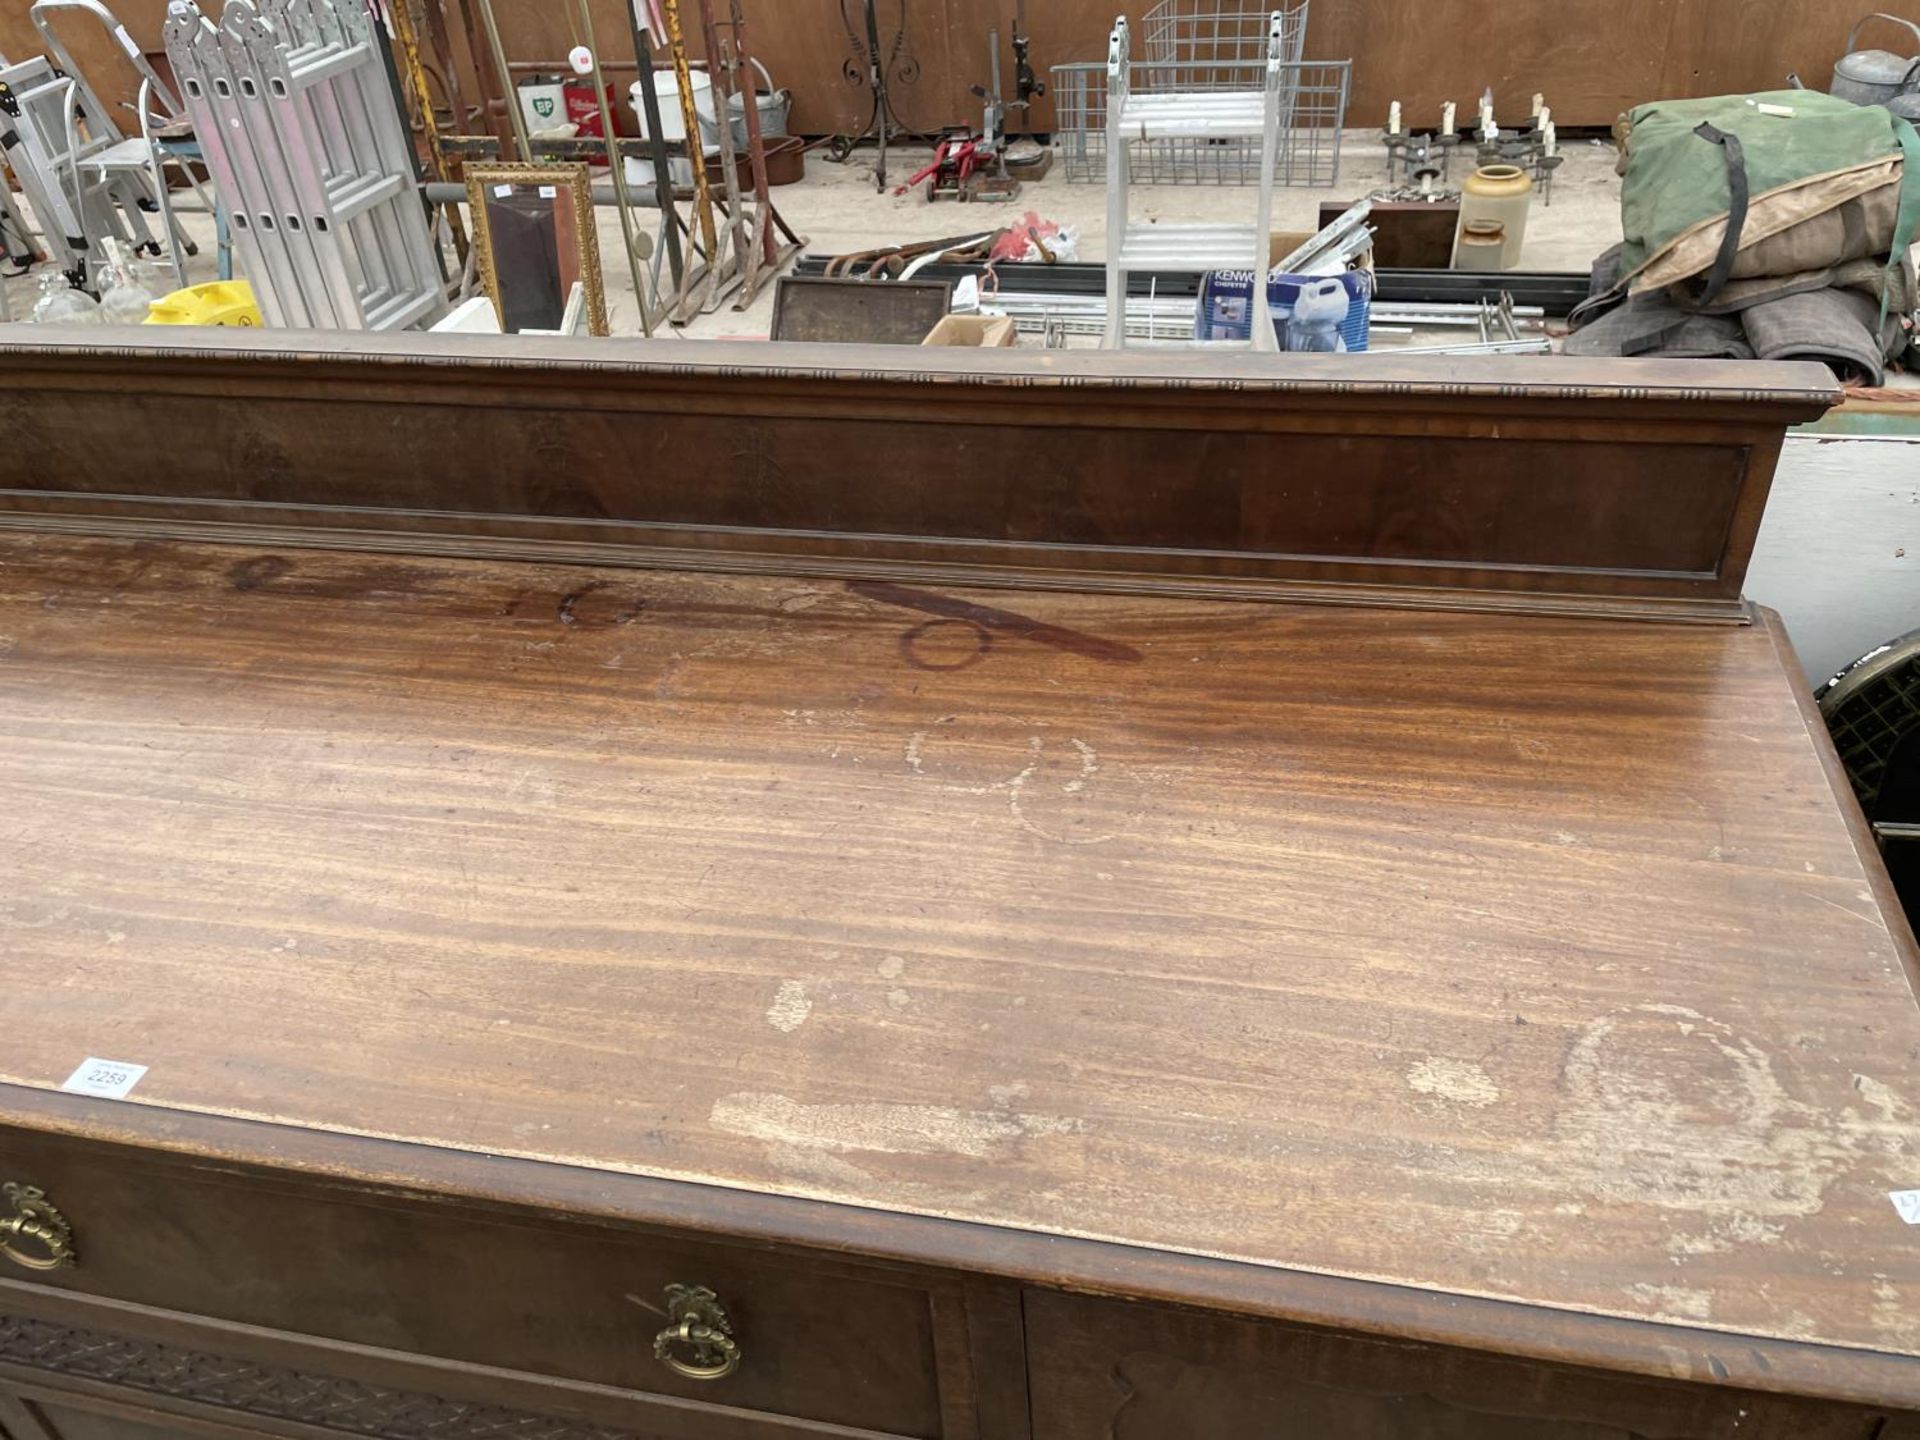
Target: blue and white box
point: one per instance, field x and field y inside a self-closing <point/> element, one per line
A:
<point x="1325" y="313"/>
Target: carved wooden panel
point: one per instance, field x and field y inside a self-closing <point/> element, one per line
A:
<point x="40" y="1417"/>
<point x="178" y="1373"/>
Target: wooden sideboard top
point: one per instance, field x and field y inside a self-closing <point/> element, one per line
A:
<point x="1513" y="957"/>
<point x="54" y="351"/>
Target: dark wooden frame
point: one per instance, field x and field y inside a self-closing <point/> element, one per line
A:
<point x="1626" y="487"/>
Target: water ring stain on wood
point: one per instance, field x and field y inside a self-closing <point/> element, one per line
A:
<point x="920" y="649"/>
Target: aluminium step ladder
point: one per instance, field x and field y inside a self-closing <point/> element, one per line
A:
<point x="1206" y="115"/>
<point x="87" y="182"/>
<point x="308" y="150"/>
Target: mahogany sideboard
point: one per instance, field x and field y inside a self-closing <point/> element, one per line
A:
<point x="559" y="990"/>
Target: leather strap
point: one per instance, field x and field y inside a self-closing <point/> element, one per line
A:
<point x="1907" y="219"/>
<point x="1737" y="198"/>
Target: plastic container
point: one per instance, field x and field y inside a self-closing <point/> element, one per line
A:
<point x="218" y="302"/>
<point x="1499" y="193"/>
<point x="126" y="288"/>
<point x="1481" y="246"/>
<point x="543" y="102"/>
<point x="673" y="124"/>
<point x="61" y="304"/>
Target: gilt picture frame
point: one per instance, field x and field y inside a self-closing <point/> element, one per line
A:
<point x="535" y="239"/>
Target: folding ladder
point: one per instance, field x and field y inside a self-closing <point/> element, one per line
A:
<point x="307" y="148"/>
<point x="1195" y="114"/>
<point x="86" y="181"/>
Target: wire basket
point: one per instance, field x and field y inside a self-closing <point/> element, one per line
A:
<point x="1229" y="32"/>
<point x="1313" y="111"/>
<point x="1872" y="710"/>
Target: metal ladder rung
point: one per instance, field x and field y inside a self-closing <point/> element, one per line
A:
<point x="380" y="297"/>
<point x="305" y="71"/>
<point x="354" y="195"/>
<point x="401" y="311"/>
<point x="30" y="95"/>
<point x="313" y="135"/>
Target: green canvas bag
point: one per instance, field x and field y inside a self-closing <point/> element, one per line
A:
<point x="1717" y="187"/>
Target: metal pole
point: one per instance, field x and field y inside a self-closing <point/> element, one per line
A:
<point x="409" y="38"/>
<point x="615" y="163"/>
<point x="882" y="103"/>
<point x="494" y="120"/>
<point x="756" y="142"/>
<point x="690" y="117"/>
<point x="381" y="43"/>
<point x="512" y="96"/>
<point x="722" y="77"/>
<point x="662" y="162"/>
<point x="442" y="44"/>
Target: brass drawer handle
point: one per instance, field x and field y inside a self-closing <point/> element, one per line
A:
<point x="48" y="1235"/>
<point x="699" y="1344"/>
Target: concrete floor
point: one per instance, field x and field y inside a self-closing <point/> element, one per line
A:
<point x="837" y="209"/>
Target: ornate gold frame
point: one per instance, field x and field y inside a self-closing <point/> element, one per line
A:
<point x="577" y="182"/>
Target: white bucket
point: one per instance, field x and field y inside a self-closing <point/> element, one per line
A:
<point x="640" y="172"/>
<point x="673" y="125"/>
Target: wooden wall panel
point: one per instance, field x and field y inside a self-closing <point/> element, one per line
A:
<point x="1592" y="58"/>
<point x="1638" y="484"/>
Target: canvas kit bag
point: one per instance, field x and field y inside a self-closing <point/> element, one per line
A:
<point x="1739" y="187"/>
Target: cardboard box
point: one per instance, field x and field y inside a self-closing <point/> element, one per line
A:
<point x="1282" y="243"/>
<point x="984" y="330"/>
<point x="1332" y="317"/>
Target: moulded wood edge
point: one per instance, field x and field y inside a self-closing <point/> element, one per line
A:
<point x="413" y="1173"/>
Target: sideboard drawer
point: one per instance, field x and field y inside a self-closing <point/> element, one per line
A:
<point x="1107" y="1370"/>
<point x="824" y="1341"/>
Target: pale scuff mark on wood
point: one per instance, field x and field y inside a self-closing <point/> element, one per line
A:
<point x="1728" y="1234"/>
<point x="1876" y="1094"/>
<point x="1679" y="1362"/>
<point x="1673" y="1301"/>
<point x="1460" y="1081"/>
<point x="815" y="1167"/>
<point x="790" y="1007"/>
<point x="1890" y="1315"/>
<point x="888" y="1129"/>
<point x="1724" y="1141"/>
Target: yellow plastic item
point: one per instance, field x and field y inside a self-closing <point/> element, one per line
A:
<point x="218" y="302"/>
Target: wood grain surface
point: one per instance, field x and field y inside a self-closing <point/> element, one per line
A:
<point x="1593" y="59"/>
<point x="1524" y="958"/>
